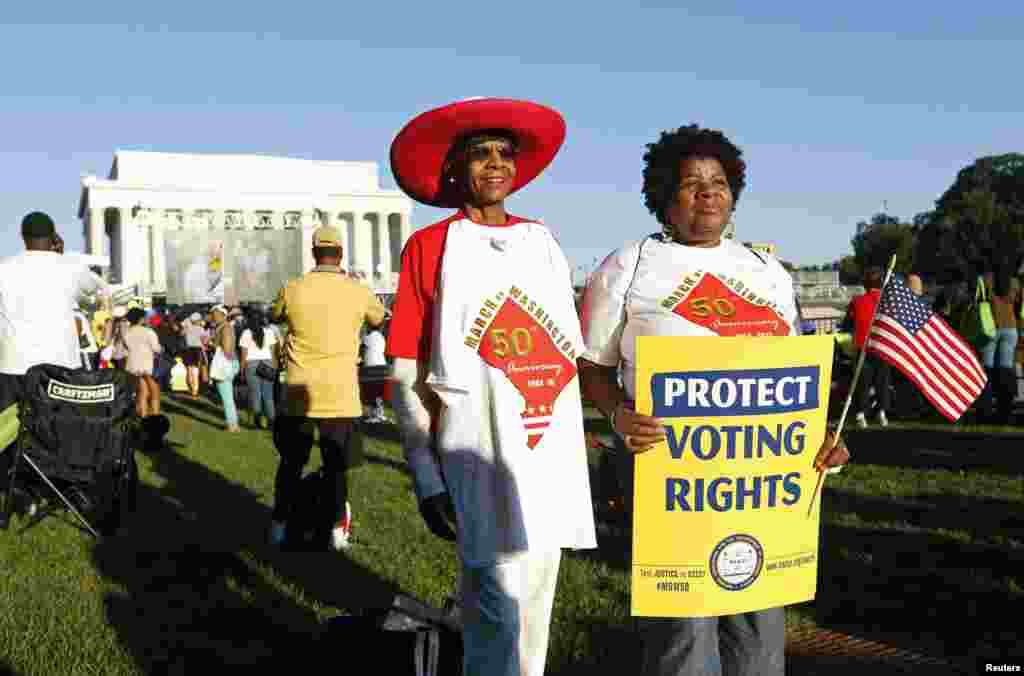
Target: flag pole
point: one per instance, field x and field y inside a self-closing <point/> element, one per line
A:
<point x="853" y="382"/>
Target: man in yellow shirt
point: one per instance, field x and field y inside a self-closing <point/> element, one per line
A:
<point x="324" y="311"/>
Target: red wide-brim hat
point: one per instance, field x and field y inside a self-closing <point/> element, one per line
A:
<point x="419" y="151"/>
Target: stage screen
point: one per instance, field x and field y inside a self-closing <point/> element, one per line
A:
<point x="230" y="266"/>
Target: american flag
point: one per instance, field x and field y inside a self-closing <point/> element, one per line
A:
<point x="908" y="335"/>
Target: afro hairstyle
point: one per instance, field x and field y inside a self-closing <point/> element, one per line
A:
<point x="664" y="158"/>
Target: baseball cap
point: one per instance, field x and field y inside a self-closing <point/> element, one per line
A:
<point x="37" y="225"/>
<point x="326" y="236"/>
<point x="195" y="317"/>
<point x="219" y="308"/>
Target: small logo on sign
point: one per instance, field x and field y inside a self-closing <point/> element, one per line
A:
<point x="736" y="562"/>
<point x="80" y="394"/>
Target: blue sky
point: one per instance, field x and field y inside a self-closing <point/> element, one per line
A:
<point x="836" y="109"/>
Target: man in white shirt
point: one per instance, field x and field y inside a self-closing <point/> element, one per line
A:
<point x="39" y="290"/>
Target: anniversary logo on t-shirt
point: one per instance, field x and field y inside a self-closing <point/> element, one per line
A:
<point x="726" y="307"/>
<point x="514" y="334"/>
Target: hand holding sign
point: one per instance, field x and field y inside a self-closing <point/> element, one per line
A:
<point x="639" y="432"/>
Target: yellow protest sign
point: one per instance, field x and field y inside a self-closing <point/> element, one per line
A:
<point x="720" y="521"/>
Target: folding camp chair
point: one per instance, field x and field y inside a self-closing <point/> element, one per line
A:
<point x="77" y="436"/>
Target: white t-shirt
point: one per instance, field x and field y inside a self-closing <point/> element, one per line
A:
<point x="254" y="352"/>
<point x="374" y="342"/>
<point x="510" y="436"/>
<point x="194" y="333"/>
<point x="657" y="287"/>
<point x="38" y="293"/>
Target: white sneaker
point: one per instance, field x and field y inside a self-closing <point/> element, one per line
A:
<point x="861" y="420"/>
<point x="340" y="536"/>
<point x="882" y="420"/>
<point x="277" y="531"/>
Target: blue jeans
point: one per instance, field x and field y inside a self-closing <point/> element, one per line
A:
<point x="226" y="390"/>
<point x="998" y="352"/>
<point x="261" y="391"/>
<point x="997" y="355"/>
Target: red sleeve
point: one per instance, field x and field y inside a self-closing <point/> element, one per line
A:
<point x="409" y="335"/>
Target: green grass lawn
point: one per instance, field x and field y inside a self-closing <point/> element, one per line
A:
<point x="922" y="548"/>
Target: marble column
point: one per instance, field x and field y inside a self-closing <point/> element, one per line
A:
<point x="131" y="254"/>
<point x="348" y="228"/>
<point x="94" y="228"/>
<point x="362" y="245"/>
<point x="405" y="229"/>
<point x="114" y="230"/>
<point x="384" y="249"/>
<point x="158" y="261"/>
<point x="308" y="226"/>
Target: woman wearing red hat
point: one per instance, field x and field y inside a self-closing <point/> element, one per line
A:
<point x="485" y="338"/>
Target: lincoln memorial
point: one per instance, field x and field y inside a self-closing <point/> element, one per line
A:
<point x="147" y="194"/>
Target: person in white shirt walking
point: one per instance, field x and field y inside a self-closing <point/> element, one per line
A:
<point x="194" y="356"/>
<point x="373" y="344"/>
<point x="38" y="291"/>
<point x="141" y="346"/>
<point x="258" y="345"/>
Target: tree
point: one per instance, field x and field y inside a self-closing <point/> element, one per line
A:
<point x="978" y="223"/>
<point x="1000" y="175"/>
<point x="875" y="245"/>
<point x="850" y="271"/>
<point x="923" y="219"/>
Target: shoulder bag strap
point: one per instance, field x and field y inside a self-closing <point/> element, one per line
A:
<point x="636" y="268"/>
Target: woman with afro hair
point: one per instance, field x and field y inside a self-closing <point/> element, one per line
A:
<point x="691" y="180"/>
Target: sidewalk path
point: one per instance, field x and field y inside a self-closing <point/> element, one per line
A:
<point x="819" y="652"/>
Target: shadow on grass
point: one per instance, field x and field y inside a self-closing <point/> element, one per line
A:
<point x="381" y="431"/>
<point x="978" y="515"/>
<point x="387" y="432"/>
<point x="200" y="405"/>
<point x="909" y="583"/>
<point x="200" y="591"/>
<point x="596" y="646"/>
<point x="923" y="591"/>
<point x="193" y="410"/>
<point x="985" y="452"/>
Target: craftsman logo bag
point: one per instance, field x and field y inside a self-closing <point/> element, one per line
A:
<point x="78" y="423"/>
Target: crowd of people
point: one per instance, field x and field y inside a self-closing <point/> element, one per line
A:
<point x="997" y="346"/>
<point x="213" y="349"/>
<point x="509" y="487"/>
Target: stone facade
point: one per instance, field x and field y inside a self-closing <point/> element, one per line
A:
<point x="125" y="215"/>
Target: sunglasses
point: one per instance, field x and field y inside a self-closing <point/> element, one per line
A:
<point x="481" y="153"/>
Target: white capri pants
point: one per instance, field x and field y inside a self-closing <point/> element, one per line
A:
<point x="506" y="612"/>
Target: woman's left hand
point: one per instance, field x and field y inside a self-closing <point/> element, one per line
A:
<point x="828" y="456"/>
